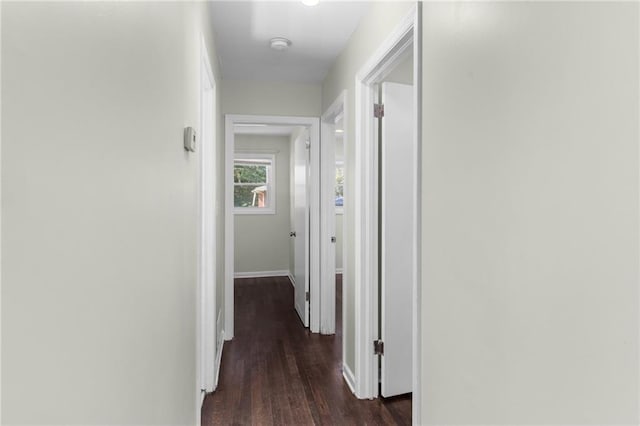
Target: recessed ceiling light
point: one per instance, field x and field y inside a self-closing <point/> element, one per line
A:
<point x="339" y="131"/>
<point x="310" y="2"/>
<point x="279" y="43"/>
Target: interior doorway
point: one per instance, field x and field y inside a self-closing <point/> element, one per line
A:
<point x="387" y="207"/>
<point x="256" y="197"/>
<point x="207" y="338"/>
<point x="334" y="201"/>
<point x="397" y="227"/>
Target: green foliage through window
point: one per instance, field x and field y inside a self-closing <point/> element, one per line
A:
<point x="252" y="182"/>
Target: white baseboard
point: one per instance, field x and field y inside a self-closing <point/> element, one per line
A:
<point x="259" y="274"/>
<point x="349" y="378"/>
<point x="338" y="270"/>
<point x="292" y="279"/>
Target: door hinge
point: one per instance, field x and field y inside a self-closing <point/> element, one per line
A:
<point x="378" y="110"/>
<point x="306" y="296"/>
<point x="378" y="347"/>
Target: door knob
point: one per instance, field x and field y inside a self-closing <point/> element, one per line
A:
<point x="292" y="233"/>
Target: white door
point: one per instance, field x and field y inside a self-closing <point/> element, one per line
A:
<point x="328" y="228"/>
<point x="397" y="241"/>
<point x="301" y="225"/>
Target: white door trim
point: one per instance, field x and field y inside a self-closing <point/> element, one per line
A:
<point x="206" y="303"/>
<point x="327" y="219"/>
<point x="313" y="123"/>
<point x="388" y="55"/>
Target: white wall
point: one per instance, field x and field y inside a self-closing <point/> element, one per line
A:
<point x="530" y="213"/>
<point x="262" y="240"/>
<point x="372" y="30"/>
<point x="403" y="72"/>
<point x="271" y="98"/>
<point x="99" y="212"/>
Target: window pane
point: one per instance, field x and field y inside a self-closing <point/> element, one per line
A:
<point x="252" y="177"/>
<point x="339" y="195"/>
<point x="246" y="173"/>
<point x="250" y="196"/>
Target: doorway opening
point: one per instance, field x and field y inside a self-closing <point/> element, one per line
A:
<point x="208" y="338"/>
<point x="332" y="208"/>
<point x="334" y="204"/>
<point x="387" y="212"/>
<point x="271" y="196"/>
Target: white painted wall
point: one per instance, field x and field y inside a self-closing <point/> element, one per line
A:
<point x="271" y="98"/>
<point x="403" y="72"/>
<point x="530" y="213"/>
<point x="99" y="212"/>
<point x="373" y="29"/>
<point x="262" y="240"/>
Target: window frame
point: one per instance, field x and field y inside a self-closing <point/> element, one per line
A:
<point x="248" y="156"/>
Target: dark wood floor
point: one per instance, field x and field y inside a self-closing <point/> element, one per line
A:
<point x="275" y="372"/>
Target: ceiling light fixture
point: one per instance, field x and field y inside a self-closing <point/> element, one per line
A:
<point x="310" y="2"/>
<point x="279" y="43"/>
<point x="339" y="131"/>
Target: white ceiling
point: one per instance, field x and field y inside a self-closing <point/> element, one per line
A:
<point x="318" y="35"/>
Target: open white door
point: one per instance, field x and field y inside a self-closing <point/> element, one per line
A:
<point x="328" y="238"/>
<point x="397" y="245"/>
<point x="301" y="222"/>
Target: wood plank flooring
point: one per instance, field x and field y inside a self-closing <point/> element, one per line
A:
<point x="275" y="372"/>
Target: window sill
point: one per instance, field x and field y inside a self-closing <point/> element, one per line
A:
<point x="259" y="211"/>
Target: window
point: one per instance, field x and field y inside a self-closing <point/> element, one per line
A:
<point x="253" y="184"/>
<point x="339" y="188"/>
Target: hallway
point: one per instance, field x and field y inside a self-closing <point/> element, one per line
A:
<point x="276" y="372"/>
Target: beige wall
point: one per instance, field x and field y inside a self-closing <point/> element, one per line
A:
<point x="530" y="213"/>
<point x="372" y="30"/>
<point x="262" y="240"/>
<point x="99" y="211"/>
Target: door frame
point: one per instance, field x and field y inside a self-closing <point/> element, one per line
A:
<point x="313" y="123"/>
<point x="206" y="327"/>
<point x="389" y="54"/>
<point x="327" y="220"/>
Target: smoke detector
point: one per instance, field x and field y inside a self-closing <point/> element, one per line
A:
<point x="279" y="43"/>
